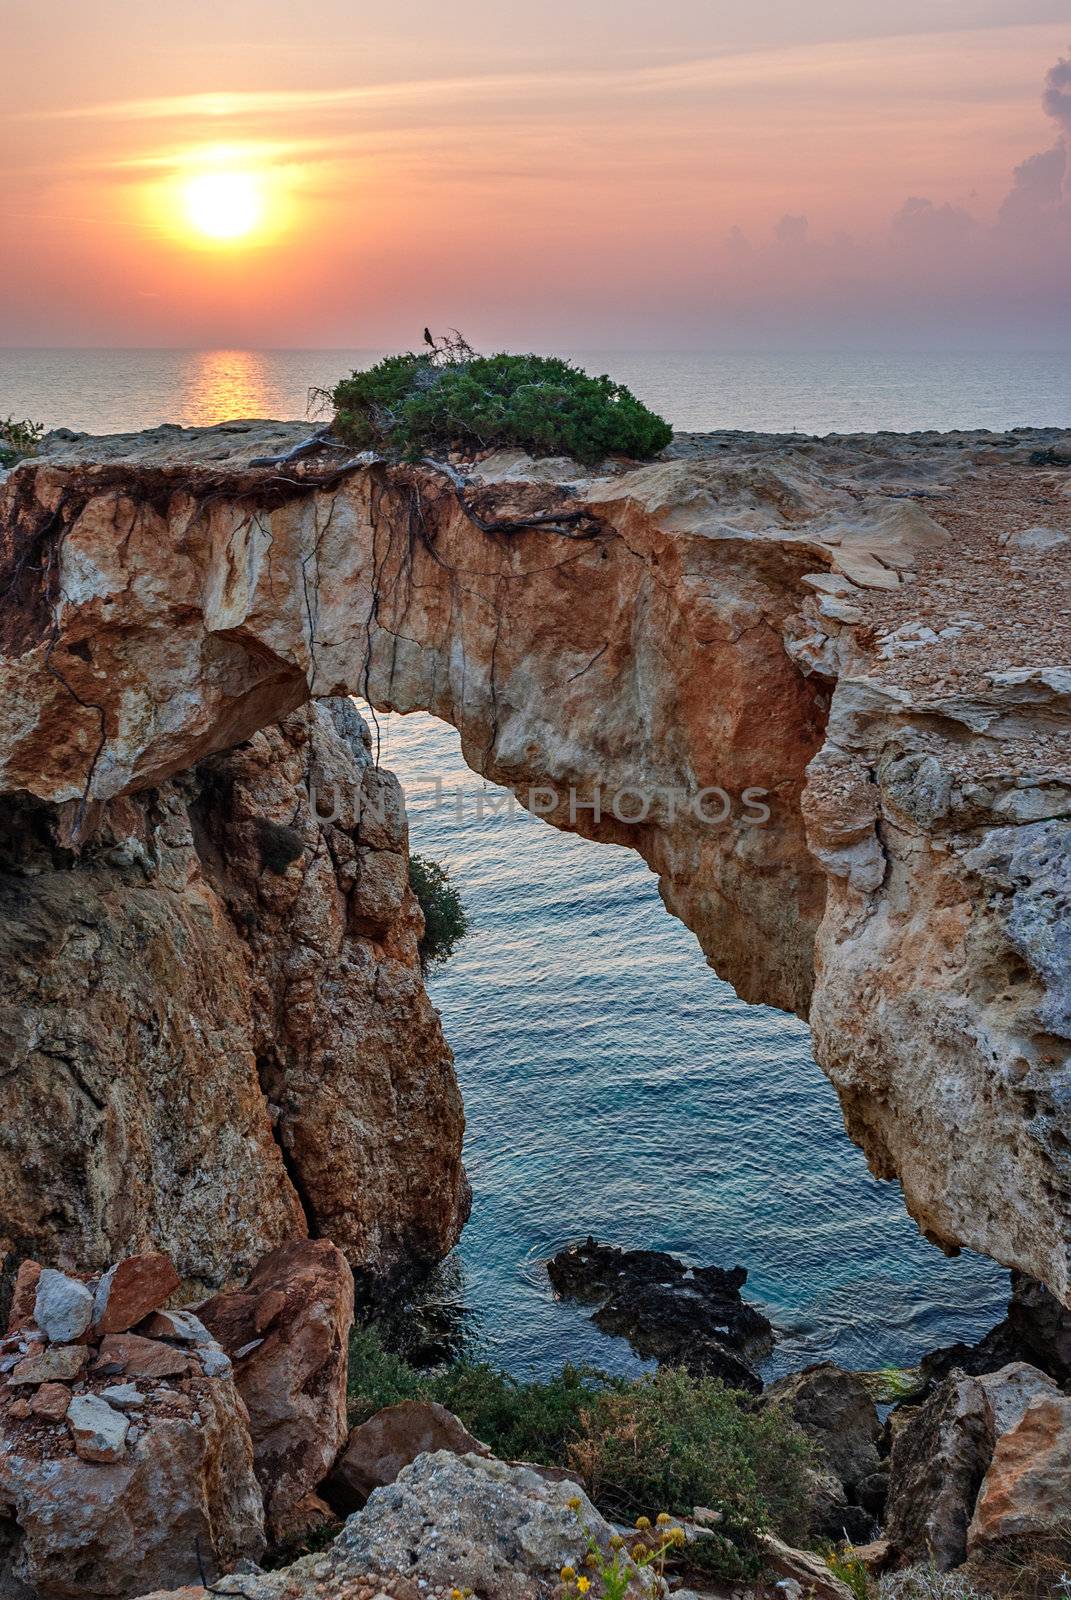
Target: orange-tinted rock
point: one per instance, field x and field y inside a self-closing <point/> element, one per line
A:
<point x="378" y="1449"/>
<point x="132" y="1356"/>
<point x="130" y="1290"/>
<point x="751" y="613"/>
<point x="1026" y="1492"/>
<point x="51" y="1401"/>
<point x="294" y="1382"/>
<point x="107" y="1529"/>
<point x="59" y="1363"/>
<point x="24" y="1295"/>
<point x="197" y="931"/>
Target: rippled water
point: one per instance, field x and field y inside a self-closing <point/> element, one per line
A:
<point x="612" y="1083"/>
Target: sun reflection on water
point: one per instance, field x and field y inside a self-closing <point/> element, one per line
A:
<point x="220" y="385"/>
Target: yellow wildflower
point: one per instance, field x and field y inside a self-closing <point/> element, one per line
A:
<point x="616" y="1541"/>
<point x="573" y="1502"/>
<point x="583" y="1584"/>
<point x="663" y="1519"/>
<point x="643" y="1522"/>
<point x="568" y="1574"/>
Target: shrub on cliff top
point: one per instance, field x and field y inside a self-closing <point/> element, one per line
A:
<point x="447" y="397"/>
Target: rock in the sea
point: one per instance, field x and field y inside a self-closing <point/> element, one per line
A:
<point x="131" y="1290"/>
<point x="377" y="1450"/>
<point x="293" y="1319"/>
<point x="1026" y="1493"/>
<point x="691" y="1317"/>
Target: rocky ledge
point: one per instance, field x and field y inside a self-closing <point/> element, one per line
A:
<point x="823" y="686"/>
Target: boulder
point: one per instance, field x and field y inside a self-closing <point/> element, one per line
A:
<point x="290" y="1367"/>
<point x="105" y="1523"/>
<point x="1026" y="1492"/>
<point x="63" y="1306"/>
<point x="378" y="1449"/>
<point x="60" y="1363"/>
<point x="938" y="1462"/>
<point x="51" y="1402"/>
<point x="472" y="1523"/>
<point x="98" y="1431"/>
<point x="131" y="1290"/>
<point x="691" y="1317"/>
<point x="133" y="1356"/>
<point x="941" y="1456"/>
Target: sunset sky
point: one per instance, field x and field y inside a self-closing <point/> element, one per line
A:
<point x="593" y="173"/>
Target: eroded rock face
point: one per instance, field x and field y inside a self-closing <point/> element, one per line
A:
<point x="216" y="980"/>
<point x="845" y="625"/>
<point x="287" y="1334"/>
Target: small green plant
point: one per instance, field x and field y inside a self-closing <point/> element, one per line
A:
<point x="18" y="439"/>
<point x="448" y="397"/>
<point x="664" y="1439"/>
<point x="277" y="845"/>
<point x="844" y="1564"/>
<point x="613" y="1573"/>
<point x="893" y="1384"/>
<point x="446" y="921"/>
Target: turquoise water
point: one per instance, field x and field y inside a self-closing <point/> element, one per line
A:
<point x="613" y="1084"/>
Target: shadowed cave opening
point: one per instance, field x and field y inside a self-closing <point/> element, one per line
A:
<point x="614" y="1085"/>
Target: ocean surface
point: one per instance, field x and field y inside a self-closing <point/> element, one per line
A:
<point x="613" y="1084"/>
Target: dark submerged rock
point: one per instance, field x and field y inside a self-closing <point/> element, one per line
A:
<point x="691" y="1317"/>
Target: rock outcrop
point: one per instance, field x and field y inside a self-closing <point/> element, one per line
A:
<point x="818" y="685"/>
<point x="836" y="1412"/>
<point x="215" y="1031"/>
<point x="287" y="1333"/>
<point x="968" y="1465"/>
<point x="125" y="1459"/>
<point x="692" y="1317"/>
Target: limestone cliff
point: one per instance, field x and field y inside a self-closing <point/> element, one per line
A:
<point x="215" y="1033"/>
<point x="870" y="631"/>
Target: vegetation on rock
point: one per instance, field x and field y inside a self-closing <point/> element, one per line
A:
<point x="450" y="398"/>
<point x="667" y="1440"/>
<point x="18" y="439"/>
<point x="446" y="921"/>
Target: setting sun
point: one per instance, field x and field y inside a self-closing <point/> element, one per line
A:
<point x="223" y="205"/>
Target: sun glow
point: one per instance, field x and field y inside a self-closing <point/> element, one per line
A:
<point x="223" y="205"/>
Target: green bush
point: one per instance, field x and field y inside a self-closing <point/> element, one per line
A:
<point x="448" y="397"/>
<point x="674" y="1442"/>
<point x="519" y="1421"/>
<point x="18" y="439"/>
<point x="446" y="921"/>
<point x="665" y="1442"/>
